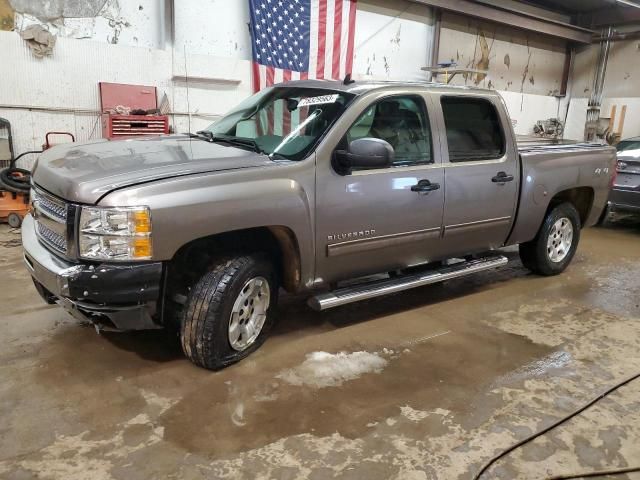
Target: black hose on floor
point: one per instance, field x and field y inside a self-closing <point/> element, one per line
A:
<point x="575" y="413"/>
<point x="600" y="473"/>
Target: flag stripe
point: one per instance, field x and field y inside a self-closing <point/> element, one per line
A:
<point x="322" y="38"/>
<point x="286" y="116"/>
<point x="269" y="81"/>
<point x="270" y="75"/>
<point x="337" y="36"/>
<point x="352" y="33"/>
<point x="313" y="40"/>
<point x="328" y="35"/>
<point x="344" y="38"/>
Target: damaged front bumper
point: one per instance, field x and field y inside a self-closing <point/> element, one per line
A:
<point x="110" y="295"/>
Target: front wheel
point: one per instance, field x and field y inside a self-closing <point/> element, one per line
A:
<point x="229" y="311"/>
<point x="553" y="248"/>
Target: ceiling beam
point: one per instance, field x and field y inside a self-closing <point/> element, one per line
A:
<point x="514" y="18"/>
<point x="611" y="16"/>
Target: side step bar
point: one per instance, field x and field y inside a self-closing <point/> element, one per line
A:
<point x="376" y="288"/>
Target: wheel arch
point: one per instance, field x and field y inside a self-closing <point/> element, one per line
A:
<point x="580" y="197"/>
<point x="532" y="211"/>
<point x="278" y="241"/>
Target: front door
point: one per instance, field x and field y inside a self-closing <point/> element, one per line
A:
<point x="372" y="221"/>
<point x="482" y="174"/>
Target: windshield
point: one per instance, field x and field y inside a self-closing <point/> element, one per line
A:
<point x="284" y="122"/>
<point x="628" y="145"/>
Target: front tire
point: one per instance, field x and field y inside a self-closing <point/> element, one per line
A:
<point x="229" y="311"/>
<point x="553" y="248"/>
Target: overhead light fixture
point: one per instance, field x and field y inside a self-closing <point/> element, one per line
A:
<point x="628" y="3"/>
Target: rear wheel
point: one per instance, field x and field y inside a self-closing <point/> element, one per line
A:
<point x="229" y="311"/>
<point x="553" y="248"/>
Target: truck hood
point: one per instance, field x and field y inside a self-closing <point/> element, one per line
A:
<point x="85" y="172"/>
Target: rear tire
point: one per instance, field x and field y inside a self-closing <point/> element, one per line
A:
<point x="553" y="248"/>
<point x="235" y="298"/>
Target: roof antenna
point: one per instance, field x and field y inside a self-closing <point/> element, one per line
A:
<point x="348" y="80"/>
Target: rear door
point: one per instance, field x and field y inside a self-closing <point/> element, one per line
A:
<point x="481" y="172"/>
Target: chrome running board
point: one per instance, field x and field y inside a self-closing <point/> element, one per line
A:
<point x="376" y="288"/>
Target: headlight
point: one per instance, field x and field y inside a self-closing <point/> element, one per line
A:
<point x="120" y="234"/>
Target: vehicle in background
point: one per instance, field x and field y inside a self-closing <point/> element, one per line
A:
<point x="310" y="186"/>
<point x="625" y="192"/>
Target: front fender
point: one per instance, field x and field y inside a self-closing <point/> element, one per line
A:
<point x="197" y="206"/>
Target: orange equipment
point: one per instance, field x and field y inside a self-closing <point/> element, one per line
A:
<point x="13" y="207"/>
<point x="15" y="182"/>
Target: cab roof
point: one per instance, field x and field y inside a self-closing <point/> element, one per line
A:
<point x="359" y="87"/>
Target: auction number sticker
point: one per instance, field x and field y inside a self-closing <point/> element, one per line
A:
<point x="322" y="99"/>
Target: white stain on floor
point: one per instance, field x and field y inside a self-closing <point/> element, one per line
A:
<point x="322" y="369"/>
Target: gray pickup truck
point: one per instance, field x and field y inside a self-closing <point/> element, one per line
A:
<point x="303" y="187"/>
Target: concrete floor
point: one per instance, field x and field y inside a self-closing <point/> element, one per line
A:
<point x="464" y="370"/>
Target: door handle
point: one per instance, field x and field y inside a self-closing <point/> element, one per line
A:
<point x="425" y="186"/>
<point x="502" y="177"/>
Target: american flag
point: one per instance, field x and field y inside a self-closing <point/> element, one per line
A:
<point x="300" y="39"/>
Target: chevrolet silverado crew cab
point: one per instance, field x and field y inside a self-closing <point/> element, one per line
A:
<point x="302" y="187"/>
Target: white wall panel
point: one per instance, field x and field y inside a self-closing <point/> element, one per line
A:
<point x="576" y="119"/>
<point x="213" y="27"/>
<point x="69" y="78"/>
<point x="526" y="109"/>
<point x="393" y="40"/>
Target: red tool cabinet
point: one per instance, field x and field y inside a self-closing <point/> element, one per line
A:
<point x="135" y="97"/>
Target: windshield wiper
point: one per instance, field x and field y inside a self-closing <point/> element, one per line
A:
<point x="205" y="133"/>
<point x="278" y="156"/>
<point x="202" y="135"/>
<point x="245" y="142"/>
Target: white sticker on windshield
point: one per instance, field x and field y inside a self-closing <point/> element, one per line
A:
<point x="305" y="102"/>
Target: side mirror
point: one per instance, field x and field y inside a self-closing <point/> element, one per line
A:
<point x="363" y="153"/>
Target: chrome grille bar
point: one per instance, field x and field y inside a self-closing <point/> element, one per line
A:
<point x="51" y="215"/>
<point x="51" y="238"/>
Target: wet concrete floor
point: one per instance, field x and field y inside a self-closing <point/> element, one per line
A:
<point x="461" y="371"/>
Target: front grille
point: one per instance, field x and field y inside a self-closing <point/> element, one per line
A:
<point x="52" y="238"/>
<point x="56" y="210"/>
<point x="51" y="215"/>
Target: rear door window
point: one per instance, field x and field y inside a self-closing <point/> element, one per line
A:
<point x="474" y="131"/>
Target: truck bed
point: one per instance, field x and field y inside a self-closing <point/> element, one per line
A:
<point x="527" y="143"/>
<point x="549" y="167"/>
